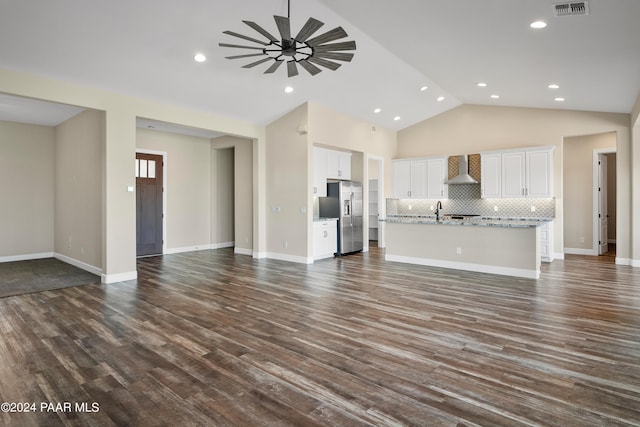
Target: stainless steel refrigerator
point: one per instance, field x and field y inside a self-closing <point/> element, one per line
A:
<point x="344" y="201"/>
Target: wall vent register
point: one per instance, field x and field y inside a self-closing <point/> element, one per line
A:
<point x="571" y="9"/>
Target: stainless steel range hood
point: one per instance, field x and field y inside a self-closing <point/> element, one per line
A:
<point x="463" y="176"/>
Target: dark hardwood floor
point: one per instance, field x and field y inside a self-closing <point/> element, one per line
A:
<point x="215" y="339"/>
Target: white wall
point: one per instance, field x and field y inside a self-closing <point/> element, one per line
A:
<point x="119" y="218"/>
<point x="578" y="184"/>
<point x="472" y="128"/>
<point x="79" y="152"/>
<point x="243" y="191"/>
<point x="188" y="192"/>
<point x="26" y="190"/>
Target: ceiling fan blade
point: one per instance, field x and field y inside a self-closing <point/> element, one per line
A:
<point x="239" y="46"/>
<point x="338" y="56"/>
<point x="244" y="56"/>
<point x="276" y="64"/>
<point x="311" y="26"/>
<point x="292" y="70"/>
<point x="253" y="64"/>
<point x="324" y="63"/>
<point x="251" y="39"/>
<point x="350" y="45"/>
<point x="329" y="36"/>
<point x="311" y="69"/>
<point x="283" y="26"/>
<point x="261" y="30"/>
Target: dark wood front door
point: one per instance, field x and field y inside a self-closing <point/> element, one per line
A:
<point x="149" y="169"/>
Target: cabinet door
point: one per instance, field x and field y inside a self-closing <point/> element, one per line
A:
<point x="513" y="175"/>
<point x="401" y="179"/>
<point x="418" y="179"/>
<point x="319" y="172"/>
<point x="539" y="173"/>
<point x="333" y="164"/>
<point x="344" y="163"/>
<point x="437" y="171"/>
<point x="491" y="179"/>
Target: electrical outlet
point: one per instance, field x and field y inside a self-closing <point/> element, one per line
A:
<point x="495" y="208"/>
<point x="459" y="251"/>
<point x="533" y="208"/>
<point x="285" y="244"/>
<point x="431" y="207"/>
<point x="581" y="239"/>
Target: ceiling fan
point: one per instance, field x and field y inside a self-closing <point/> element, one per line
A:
<point x="303" y="49"/>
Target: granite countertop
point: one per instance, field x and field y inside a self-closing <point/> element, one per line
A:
<point x="324" y="219"/>
<point x="474" y="221"/>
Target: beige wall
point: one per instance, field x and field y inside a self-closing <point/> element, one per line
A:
<point x="78" y="188"/>
<point x="222" y="198"/>
<point x="188" y="193"/>
<point x="473" y="128"/>
<point x="578" y="179"/>
<point x="119" y="219"/>
<point x="289" y="213"/>
<point x="243" y="197"/>
<point x="26" y="189"/>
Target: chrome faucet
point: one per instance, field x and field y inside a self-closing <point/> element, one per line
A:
<point x="438" y="208"/>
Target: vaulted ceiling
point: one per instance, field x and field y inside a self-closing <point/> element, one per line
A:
<point x="145" y="48"/>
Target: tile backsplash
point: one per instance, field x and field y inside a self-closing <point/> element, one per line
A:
<point x="465" y="199"/>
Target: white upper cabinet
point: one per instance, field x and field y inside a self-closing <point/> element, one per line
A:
<point x="410" y="179"/>
<point x="539" y="174"/>
<point x="437" y="175"/>
<point x="420" y="178"/>
<point x="513" y="175"/>
<point x="517" y="174"/>
<point x="491" y="176"/>
<point x="329" y="164"/>
<point x="401" y="179"/>
<point x="319" y="172"/>
<point x="338" y="165"/>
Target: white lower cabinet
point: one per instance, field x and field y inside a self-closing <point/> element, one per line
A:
<point x="325" y="238"/>
<point x="546" y="242"/>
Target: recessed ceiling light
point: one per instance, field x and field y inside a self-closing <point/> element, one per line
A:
<point x="377" y="110"/>
<point x="396" y="118"/>
<point x="495" y="96"/>
<point x="553" y="86"/>
<point x="538" y="24"/>
<point x="423" y="88"/>
<point x="199" y="57"/>
<point x="481" y="84"/>
<point x="288" y="89"/>
<point x="559" y="99"/>
<point x="440" y="98"/>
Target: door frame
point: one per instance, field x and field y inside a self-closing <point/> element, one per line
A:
<point x="382" y="206"/>
<point x="164" y="191"/>
<point x="596" y="196"/>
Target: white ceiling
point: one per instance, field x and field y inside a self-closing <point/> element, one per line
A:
<point x="145" y="48"/>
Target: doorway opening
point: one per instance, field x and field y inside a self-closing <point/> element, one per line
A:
<point x="377" y="208"/>
<point x="604" y="202"/>
<point x="150" y="203"/>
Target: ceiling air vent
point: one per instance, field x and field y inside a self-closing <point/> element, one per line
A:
<point x="571" y="9"/>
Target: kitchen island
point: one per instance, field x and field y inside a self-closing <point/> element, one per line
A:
<point x="489" y="245"/>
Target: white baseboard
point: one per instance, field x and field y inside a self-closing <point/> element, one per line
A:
<point x="119" y="277"/>
<point x="204" y="247"/>
<point x="259" y="255"/>
<point x="635" y="263"/>
<point x="579" y="251"/>
<point x="243" y="251"/>
<point x="558" y="255"/>
<point x="623" y="261"/>
<point x="290" y="258"/>
<point x="81" y="265"/>
<point x="26" y="257"/>
<point x="504" y="271"/>
<point x="222" y="245"/>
